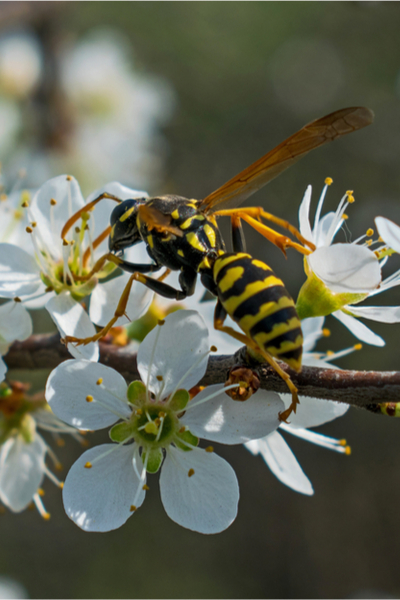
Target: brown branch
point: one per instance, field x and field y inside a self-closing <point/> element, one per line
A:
<point x="364" y="389"/>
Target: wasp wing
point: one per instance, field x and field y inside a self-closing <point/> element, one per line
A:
<point x="266" y="168"/>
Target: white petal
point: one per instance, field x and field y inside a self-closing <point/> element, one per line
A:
<point x="226" y="421"/>
<point x="3" y="369"/>
<point x="72" y="319"/>
<point x="21" y="471"/>
<point x="224" y="343"/>
<point x="389" y="232"/>
<point x="304" y="215"/>
<point x="324" y="236"/>
<point x="100" y="498"/>
<point x="313" y="412"/>
<point x="312" y="331"/>
<point x="106" y="296"/>
<point x="19" y="272"/>
<point x="282" y="462"/>
<point x="346" y="268"/>
<point x="181" y="341"/>
<point x="205" y="502"/>
<point x="361" y="331"/>
<point x="383" y="314"/>
<point x="51" y="219"/>
<point x="15" y="322"/>
<point x="73" y="381"/>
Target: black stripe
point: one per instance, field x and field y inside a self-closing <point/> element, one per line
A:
<point x="252" y="272"/>
<point x="292" y="354"/>
<point x="251" y="305"/>
<point x="267" y="324"/>
<point x="288" y="336"/>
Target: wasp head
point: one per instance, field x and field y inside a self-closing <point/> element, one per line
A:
<point x="123" y="221"/>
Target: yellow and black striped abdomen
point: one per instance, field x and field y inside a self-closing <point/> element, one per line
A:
<point x="258" y="301"/>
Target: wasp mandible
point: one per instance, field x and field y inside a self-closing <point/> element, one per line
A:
<point x="183" y="235"/>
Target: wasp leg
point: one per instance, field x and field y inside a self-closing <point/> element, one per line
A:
<point x="253" y="215"/>
<point x="187" y="280"/>
<point x="238" y="239"/>
<point x="219" y="318"/>
<point x="86" y="208"/>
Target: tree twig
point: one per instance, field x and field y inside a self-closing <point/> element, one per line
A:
<point x="364" y="389"/>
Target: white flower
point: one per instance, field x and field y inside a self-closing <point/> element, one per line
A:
<point x="156" y="427"/>
<point x="341" y="275"/>
<point x="312" y="412"/>
<point x="15" y="324"/>
<point x="23" y="450"/>
<point x="45" y="275"/>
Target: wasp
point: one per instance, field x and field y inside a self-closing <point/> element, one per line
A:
<point x="183" y="235"/>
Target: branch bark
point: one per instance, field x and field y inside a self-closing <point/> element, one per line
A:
<point x="364" y="389"/>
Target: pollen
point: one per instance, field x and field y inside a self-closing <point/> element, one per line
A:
<point x="88" y="465"/>
<point x="209" y="449"/>
<point x="190" y="472"/>
<point x="370" y="232"/>
<point x="326" y="332"/>
<point x="89" y="398"/>
<point x="145" y="487"/>
<point x="133" y="508"/>
<point x="99" y="381"/>
<point x="328" y="181"/>
<point x="53" y="202"/>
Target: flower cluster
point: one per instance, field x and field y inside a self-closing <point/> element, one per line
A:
<point x="164" y="423"/>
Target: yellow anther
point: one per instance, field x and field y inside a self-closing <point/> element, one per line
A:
<point x="345" y="217"/>
<point x="209" y="449"/>
<point x="25" y="204"/>
<point x="342" y="442"/>
<point x="88" y="465"/>
<point x="162" y="414"/>
<point x="77" y="229"/>
<point x="65" y="242"/>
<point x="214" y="349"/>
<point x="89" y="398"/>
<point x="370" y="232"/>
<point x="17" y="299"/>
<point x="357" y="346"/>
<point x="161" y="321"/>
<point x="369" y="242"/>
<point x="326" y="332"/>
<point x="133" y="508"/>
<point x="182" y="429"/>
<point x="59" y="466"/>
<point x="347" y="450"/>
<point x="145" y="487"/>
<point x="328" y="181"/>
<point x="99" y="381"/>
<point x="40" y="491"/>
<point x="34" y="224"/>
<point x="157" y="421"/>
<point x="53" y="202"/>
<point x="60" y="443"/>
<point x="159" y="377"/>
<point x="190" y="472"/>
<point x="29" y="230"/>
<point x="350" y="192"/>
<point x="350" y="199"/>
<point x="46" y="516"/>
<point x="139" y="411"/>
<point x="61" y="485"/>
<point x="69" y="178"/>
<point x="3" y="197"/>
<point x="330" y="353"/>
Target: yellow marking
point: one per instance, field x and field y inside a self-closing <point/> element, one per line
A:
<point x="251" y="289"/>
<point x="230" y="278"/>
<point x="186" y="224"/>
<point x="205" y="264"/>
<point x="180" y="252"/>
<point x="260" y="264"/>
<point x="127" y="214"/>
<point x="150" y="241"/>
<point x="175" y="214"/>
<point x="222" y="262"/>
<point x="194" y="241"/>
<point x="210" y="233"/>
<point x="267" y="339"/>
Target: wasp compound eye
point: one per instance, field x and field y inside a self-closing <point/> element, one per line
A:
<point x="124" y="232"/>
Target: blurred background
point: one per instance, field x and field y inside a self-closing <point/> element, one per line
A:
<point x="177" y="98"/>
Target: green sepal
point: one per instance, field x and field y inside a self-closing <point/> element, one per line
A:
<point x="315" y="299"/>
<point x="182" y="439"/>
<point x="80" y="291"/>
<point x="121" y="432"/>
<point x="179" y="401"/>
<point x="136" y="393"/>
<point x="154" y="456"/>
